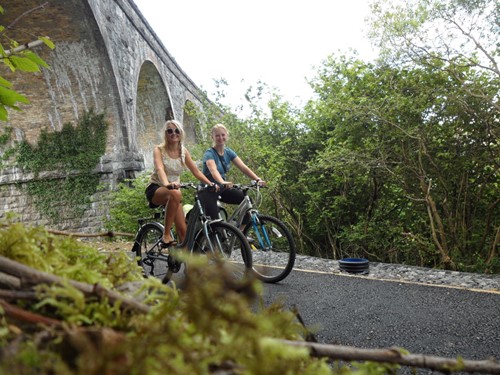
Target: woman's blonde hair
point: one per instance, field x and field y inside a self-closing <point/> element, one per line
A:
<point x="178" y="126"/>
<point x="218" y="127"/>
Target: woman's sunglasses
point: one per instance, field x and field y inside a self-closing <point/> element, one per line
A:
<point x="170" y="131"/>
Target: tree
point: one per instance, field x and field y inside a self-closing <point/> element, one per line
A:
<point x="445" y="30"/>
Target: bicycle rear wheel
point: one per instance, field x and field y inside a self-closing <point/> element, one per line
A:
<point x="273" y="248"/>
<point x="150" y="256"/>
<point x="228" y="244"/>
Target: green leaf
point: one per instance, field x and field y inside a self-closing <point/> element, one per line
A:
<point x="24" y="64"/>
<point x="36" y="59"/>
<point x="10" y="97"/>
<point x="3" y="113"/>
<point x="7" y="62"/>
<point x="47" y="42"/>
<point x="4" y="82"/>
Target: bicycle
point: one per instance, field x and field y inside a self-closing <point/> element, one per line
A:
<point x="215" y="238"/>
<point x="272" y="244"/>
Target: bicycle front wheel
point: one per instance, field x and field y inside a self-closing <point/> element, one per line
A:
<point x="273" y="248"/>
<point x="150" y="256"/>
<point x="226" y="242"/>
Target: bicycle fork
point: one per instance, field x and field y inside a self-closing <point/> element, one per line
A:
<point x="211" y="236"/>
<point x="261" y="232"/>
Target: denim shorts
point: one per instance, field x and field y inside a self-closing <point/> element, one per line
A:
<point x="150" y="192"/>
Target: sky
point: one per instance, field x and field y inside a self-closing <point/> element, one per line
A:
<point x="279" y="42"/>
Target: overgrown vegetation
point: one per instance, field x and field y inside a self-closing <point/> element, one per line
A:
<point x="127" y="204"/>
<point x="394" y="160"/>
<point x="68" y="309"/>
<point x="208" y="326"/>
<point x="72" y="155"/>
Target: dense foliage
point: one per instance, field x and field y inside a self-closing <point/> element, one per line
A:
<point x="395" y="160"/>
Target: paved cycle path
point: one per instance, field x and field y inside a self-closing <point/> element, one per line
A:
<point x="367" y="313"/>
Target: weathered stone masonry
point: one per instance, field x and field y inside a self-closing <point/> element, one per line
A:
<point x="107" y="58"/>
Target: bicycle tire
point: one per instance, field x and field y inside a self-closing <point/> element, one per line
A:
<point x="230" y="244"/>
<point x="147" y="243"/>
<point x="271" y="265"/>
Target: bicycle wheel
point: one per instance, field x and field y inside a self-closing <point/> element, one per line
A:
<point x="150" y="256"/>
<point x="228" y="244"/>
<point x="273" y="248"/>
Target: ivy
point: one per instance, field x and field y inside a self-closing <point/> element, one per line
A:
<point x="74" y="151"/>
<point x="5" y="152"/>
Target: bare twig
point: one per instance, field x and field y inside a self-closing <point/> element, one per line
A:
<point x="26" y="316"/>
<point x="102" y="234"/>
<point x="11" y="25"/>
<point x="30" y="277"/>
<point x="23" y="47"/>
<point x="17" y="295"/>
<point x="393" y="355"/>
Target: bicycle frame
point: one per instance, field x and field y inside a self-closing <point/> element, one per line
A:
<point x="197" y="219"/>
<point x="244" y="208"/>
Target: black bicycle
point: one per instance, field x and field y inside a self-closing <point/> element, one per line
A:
<point x="272" y="244"/>
<point x="215" y="238"/>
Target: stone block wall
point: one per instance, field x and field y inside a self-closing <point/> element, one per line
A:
<point x="107" y="58"/>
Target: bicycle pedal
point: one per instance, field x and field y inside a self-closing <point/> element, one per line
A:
<point x="173" y="264"/>
<point x="148" y="262"/>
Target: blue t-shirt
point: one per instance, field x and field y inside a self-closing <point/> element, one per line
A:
<point x="223" y="162"/>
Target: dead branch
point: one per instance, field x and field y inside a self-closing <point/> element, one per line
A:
<point x="8" y="281"/>
<point x="23" y="47"/>
<point x="17" y="295"/>
<point x="26" y="316"/>
<point x="393" y="355"/>
<point x="11" y="25"/>
<point x="102" y="234"/>
<point x="29" y="277"/>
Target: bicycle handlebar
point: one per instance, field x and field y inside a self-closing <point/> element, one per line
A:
<point x="199" y="187"/>
<point x="204" y="187"/>
<point x="253" y="185"/>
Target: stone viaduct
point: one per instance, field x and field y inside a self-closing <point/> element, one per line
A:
<point x="109" y="59"/>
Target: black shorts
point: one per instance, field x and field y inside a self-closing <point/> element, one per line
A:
<point x="150" y="192"/>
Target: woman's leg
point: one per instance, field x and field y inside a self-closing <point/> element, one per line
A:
<point x="232" y="196"/>
<point x="172" y="199"/>
<point x="208" y="200"/>
<point x="180" y="224"/>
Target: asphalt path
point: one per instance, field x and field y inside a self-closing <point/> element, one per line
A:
<point x="367" y="313"/>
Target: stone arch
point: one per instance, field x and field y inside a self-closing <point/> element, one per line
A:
<point x="80" y="76"/>
<point x="153" y="108"/>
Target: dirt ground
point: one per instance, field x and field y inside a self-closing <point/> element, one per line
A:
<point x="108" y="245"/>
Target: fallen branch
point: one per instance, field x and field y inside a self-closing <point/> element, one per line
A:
<point x="29" y="276"/>
<point x="393" y="355"/>
<point x="102" y="234"/>
<point x="26" y="316"/>
<point x="17" y="295"/>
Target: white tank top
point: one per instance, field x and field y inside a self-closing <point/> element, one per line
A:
<point x="173" y="167"/>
